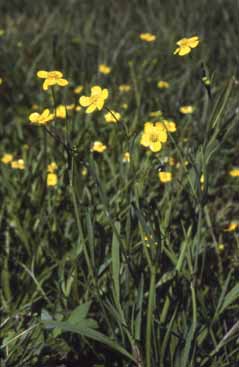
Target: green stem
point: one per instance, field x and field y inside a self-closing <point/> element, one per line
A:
<point x="150" y="316"/>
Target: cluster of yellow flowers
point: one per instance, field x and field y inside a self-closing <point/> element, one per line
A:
<point x="7" y="158"/>
<point x="154" y="134"/>
<point x="51" y="174"/>
<point x="185" y="45"/>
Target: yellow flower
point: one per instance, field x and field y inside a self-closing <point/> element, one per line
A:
<point x="104" y="69"/>
<point x="124" y="106"/>
<point x="41" y="118"/>
<point x="220" y="247"/>
<point x="165" y="176"/>
<point x="7" y="158"/>
<point x="70" y="107"/>
<point x="153" y="136"/>
<point x="35" y="106"/>
<point x="78" y="89"/>
<point x="98" y="147"/>
<point x="51" y="168"/>
<point x="126" y="157"/>
<point x="186" y="44"/>
<point x="78" y="108"/>
<point x="155" y="113"/>
<point x="231" y="227"/>
<point x="110" y="117"/>
<point x="1" y="81"/>
<point x="18" y="164"/>
<point x="148" y="37"/>
<point x="124" y="88"/>
<point x="234" y="172"/>
<point x="96" y="100"/>
<point x="186" y="109"/>
<point x="162" y="84"/>
<point x="84" y="171"/>
<point x="51" y="179"/>
<point x="170" y="125"/>
<point x="52" y="78"/>
<point x="61" y="111"/>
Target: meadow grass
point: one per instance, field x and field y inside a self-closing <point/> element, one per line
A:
<point x="110" y="266"/>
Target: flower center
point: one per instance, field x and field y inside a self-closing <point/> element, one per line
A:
<point x="154" y="138"/>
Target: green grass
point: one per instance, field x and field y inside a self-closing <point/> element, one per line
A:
<point x="79" y="281"/>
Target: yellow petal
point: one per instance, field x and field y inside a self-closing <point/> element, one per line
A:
<point x="42" y="74"/>
<point x="62" y="82"/>
<point x="45" y="84"/>
<point x="193" y="41"/>
<point x="155" y="147"/>
<point x="45" y="113"/>
<point x="100" y="104"/>
<point x="184" y="50"/>
<point x="145" y="141"/>
<point x="148" y="127"/>
<point x="105" y="93"/>
<point x="34" y="117"/>
<point x="51" y="179"/>
<point x="91" y="108"/>
<point x="163" y="136"/>
<point x="84" y="101"/>
<point x="95" y="90"/>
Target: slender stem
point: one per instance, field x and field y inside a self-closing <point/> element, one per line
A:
<point x="150" y="316"/>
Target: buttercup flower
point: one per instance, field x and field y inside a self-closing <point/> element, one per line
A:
<point x="78" y="89"/>
<point x="155" y="113"/>
<point x="124" y="88"/>
<point x="124" y="106"/>
<point x="84" y="171"/>
<point x="18" y="164"/>
<point x="104" y="69"/>
<point x="52" y="78"/>
<point x="186" y="45"/>
<point x="7" y="158"/>
<point x="186" y="109"/>
<point x="98" y="147"/>
<point x="231" y="227"/>
<point x="52" y="167"/>
<point x="70" y="107"/>
<point x="41" y="118"/>
<point x="61" y="111"/>
<point x="113" y="117"/>
<point x="148" y="37"/>
<point x="1" y="81"/>
<point x="165" y="176"/>
<point x="169" y="125"/>
<point x="220" y="247"/>
<point x="162" y="84"/>
<point x="126" y="157"/>
<point x="234" y="172"/>
<point x="96" y="100"/>
<point x="51" y="179"/>
<point x="153" y="136"/>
